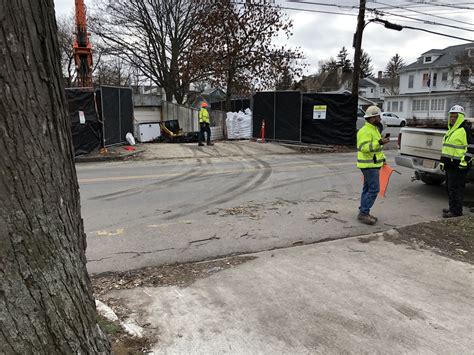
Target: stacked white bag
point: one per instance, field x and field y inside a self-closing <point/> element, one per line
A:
<point x="239" y="125"/>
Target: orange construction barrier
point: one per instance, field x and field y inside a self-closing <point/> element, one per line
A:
<point x="385" y="173"/>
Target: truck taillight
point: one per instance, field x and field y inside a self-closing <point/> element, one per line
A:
<point x="399" y="140"/>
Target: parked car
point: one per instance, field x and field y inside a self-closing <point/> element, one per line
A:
<point x="392" y="119"/>
<point x="361" y="120"/>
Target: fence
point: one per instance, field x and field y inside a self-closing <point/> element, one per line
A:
<point x="188" y="117"/>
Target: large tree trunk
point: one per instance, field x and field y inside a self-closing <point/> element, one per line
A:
<point x="46" y="303"/>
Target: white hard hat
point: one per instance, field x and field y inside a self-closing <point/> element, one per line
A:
<point x="456" y="109"/>
<point x="372" y="111"/>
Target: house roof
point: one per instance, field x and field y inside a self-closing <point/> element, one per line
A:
<point x="367" y="82"/>
<point x="446" y="59"/>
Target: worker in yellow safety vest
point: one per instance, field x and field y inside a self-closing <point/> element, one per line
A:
<point x="204" y="125"/>
<point x="370" y="158"/>
<point x="456" y="156"/>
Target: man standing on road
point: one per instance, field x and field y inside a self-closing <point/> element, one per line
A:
<point x="204" y="124"/>
<point x="370" y="158"/>
<point x="456" y="155"/>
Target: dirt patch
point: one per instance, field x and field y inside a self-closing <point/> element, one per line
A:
<point x="121" y="342"/>
<point x="453" y="238"/>
<point x="165" y="275"/>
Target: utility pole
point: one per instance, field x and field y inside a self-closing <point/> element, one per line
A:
<point x="357" y="45"/>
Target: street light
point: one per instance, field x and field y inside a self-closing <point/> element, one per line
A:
<point x="357" y="43"/>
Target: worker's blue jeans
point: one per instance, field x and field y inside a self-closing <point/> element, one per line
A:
<point x="370" y="190"/>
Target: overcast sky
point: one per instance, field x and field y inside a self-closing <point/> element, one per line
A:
<point x="322" y="35"/>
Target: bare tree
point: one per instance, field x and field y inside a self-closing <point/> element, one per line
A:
<point x="46" y="302"/>
<point x="155" y="36"/>
<point x="65" y="40"/>
<point x="462" y="74"/>
<point x="238" y="46"/>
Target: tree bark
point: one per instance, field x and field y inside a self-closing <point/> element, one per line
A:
<point x="46" y="302"/>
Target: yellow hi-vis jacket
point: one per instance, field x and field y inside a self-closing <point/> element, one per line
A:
<point x="369" y="150"/>
<point x="203" y="116"/>
<point x="456" y="150"/>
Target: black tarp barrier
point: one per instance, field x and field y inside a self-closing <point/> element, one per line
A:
<point x="288" y="115"/>
<point x="86" y="128"/>
<point x="339" y="126"/>
<point x="116" y="111"/>
<point x="309" y="118"/>
<point x="236" y="105"/>
<point x="264" y="109"/>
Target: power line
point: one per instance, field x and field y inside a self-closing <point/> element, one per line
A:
<point x="305" y="10"/>
<point x="437" y="33"/>
<point x="376" y="12"/>
<point x="454" y="6"/>
<point x="424" y="13"/>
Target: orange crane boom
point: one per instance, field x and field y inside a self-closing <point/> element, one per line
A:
<point x="82" y="47"/>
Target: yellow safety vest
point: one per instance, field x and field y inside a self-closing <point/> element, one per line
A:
<point x="455" y="144"/>
<point x="203" y="116"/>
<point x="369" y="150"/>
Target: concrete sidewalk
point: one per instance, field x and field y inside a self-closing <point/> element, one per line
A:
<point x="219" y="149"/>
<point x="351" y="296"/>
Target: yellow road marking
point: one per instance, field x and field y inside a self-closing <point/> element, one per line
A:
<point x="216" y="172"/>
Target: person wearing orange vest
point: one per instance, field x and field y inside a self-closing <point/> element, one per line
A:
<point x="204" y="124"/>
<point x="456" y="159"/>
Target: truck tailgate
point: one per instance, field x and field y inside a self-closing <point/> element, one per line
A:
<point x="422" y="142"/>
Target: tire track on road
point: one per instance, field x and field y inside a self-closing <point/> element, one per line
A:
<point x="264" y="170"/>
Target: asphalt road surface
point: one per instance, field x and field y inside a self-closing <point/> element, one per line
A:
<point x="143" y="213"/>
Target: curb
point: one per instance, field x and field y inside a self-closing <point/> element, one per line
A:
<point x="100" y="158"/>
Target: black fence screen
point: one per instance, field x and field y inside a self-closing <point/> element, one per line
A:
<point x="85" y="126"/>
<point x="329" y="119"/>
<point x="236" y="105"/>
<point x="116" y="111"/>
<point x="309" y="118"/>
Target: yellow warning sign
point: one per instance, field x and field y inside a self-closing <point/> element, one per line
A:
<point x="319" y="112"/>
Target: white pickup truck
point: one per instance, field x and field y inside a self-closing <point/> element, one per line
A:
<point x="420" y="149"/>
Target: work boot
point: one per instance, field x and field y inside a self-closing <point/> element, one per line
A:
<point x="450" y="214"/>
<point x="366" y="219"/>
<point x="210" y="143"/>
<point x="445" y="210"/>
<point x="201" y="144"/>
<point x="373" y="217"/>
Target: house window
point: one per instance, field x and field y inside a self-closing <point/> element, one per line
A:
<point x="371" y="91"/>
<point x="388" y="106"/>
<point x="383" y="90"/>
<point x="437" y="105"/>
<point x="435" y="78"/>
<point x="464" y="76"/>
<point x="444" y="76"/>
<point x="395" y="106"/>
<point x="426" y="78"/>
<point x="420" y="105"/>
<point x="427" y="59"/>
<point x="401" y="106"/>
<point x="411" y="79"/>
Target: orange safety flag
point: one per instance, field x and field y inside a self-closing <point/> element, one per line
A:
<point x="385" y="173"/>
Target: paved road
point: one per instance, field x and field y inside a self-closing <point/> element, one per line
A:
<point x="147" y="213"/>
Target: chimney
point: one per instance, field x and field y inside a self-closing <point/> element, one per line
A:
<point x="379" y="76"/>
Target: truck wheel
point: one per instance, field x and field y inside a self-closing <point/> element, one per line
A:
<point x="432" y="179"/>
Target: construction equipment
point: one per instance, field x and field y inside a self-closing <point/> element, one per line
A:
<point x="82" y="47"/>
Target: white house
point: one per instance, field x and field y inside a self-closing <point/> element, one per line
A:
<point x="435" y="82"/>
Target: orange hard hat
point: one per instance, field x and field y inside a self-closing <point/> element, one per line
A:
<point x="204" y="104"/>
